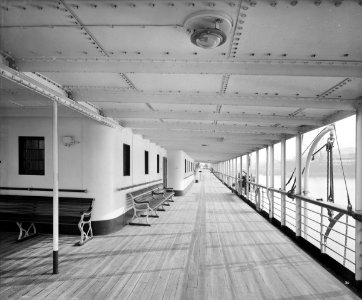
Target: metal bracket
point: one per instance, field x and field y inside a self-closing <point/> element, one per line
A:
<point x="332" y="222"/>
<point x="25" y="233"/>
<point x="85" y="235"/>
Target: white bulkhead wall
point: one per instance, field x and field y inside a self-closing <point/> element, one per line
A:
<point x="176" y="176"/>
<point x="94" y="164"/>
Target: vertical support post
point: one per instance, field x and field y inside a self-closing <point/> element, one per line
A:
<point x="236" y="175"/>
<point x="230" y="166"/>
<point x="247" y="175"/>
<point x="266" y="178"/>
<point x="298" y="186"/>
<point x="271" y="194"/>
<point x="227" y="172"/>
<point x="283" y="183"/>
<point x="267" y="166"/>
<point x="358" y="195"/>
<point x="55" y="190"/>
<point x="257" y="197"/>
<point x="241" y="175"/>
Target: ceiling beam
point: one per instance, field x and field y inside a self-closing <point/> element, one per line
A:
<point x="198" y="146"/>
<point x="215" y="127"/>
<point x="250" y="67"/>
<point x="241" y="118"/>
<point x="216" y="136"/>
<point x="211" y="151"/>
<point x="36" y="86"/>
<point x="117" y="96"/>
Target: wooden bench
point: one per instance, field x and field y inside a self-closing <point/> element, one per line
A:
<point x="147" y="201"/>
<point x="39" y="209"/>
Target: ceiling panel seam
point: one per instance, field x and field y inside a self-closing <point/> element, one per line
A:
<point x="84" y="29"/>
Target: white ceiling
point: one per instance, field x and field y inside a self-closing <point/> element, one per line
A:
<point x="284" y="68"/>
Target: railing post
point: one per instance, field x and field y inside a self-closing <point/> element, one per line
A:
<point x="257" y="180"/>
<point x="358" y="196"/>
<point x="247" y="175"/>
<point x="298" y="187"/>
<point x="282" y="182"/>
<point x="271" y="194"/>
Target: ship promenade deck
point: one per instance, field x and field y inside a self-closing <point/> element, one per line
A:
<point x="208" y="245"/>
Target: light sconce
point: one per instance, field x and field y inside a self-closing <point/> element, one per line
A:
<point x="208" y="29"/>
<point x="69" y="141"/>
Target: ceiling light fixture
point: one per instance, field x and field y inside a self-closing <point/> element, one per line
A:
<point x="208" y="29"/>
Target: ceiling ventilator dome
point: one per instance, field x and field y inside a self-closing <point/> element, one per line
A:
<point x="208" y="29"/>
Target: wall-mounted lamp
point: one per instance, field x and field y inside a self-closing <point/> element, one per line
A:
<point x="69" y="141"/>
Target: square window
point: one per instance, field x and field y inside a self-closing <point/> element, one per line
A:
<point x="31" y="155"/>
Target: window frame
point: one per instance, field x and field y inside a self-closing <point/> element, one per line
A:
<point x="147" y="169"/>
<point x="126" y="160"/>
<point x="28" y="156"/>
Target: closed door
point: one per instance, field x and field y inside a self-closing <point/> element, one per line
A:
<point x="164" y="168"/>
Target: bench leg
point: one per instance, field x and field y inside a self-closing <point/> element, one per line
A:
<point x="24" y="233"/>
<point x="142" y="215"/>
<point x="85" y="235"/>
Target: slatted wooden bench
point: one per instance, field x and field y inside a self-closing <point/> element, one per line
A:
<point x="39" y="209"/>
<point x="167" y="193"/>
<point x="147" y="201"/>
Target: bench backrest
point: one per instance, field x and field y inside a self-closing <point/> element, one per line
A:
<point x="43" y="205"/>
<point x="145" y="193"/>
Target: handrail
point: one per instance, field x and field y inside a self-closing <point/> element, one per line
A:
<point x="353" y="213"/>
<point x="8" y="188"/>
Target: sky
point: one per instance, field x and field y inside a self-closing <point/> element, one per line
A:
<point x="345" y="131"/>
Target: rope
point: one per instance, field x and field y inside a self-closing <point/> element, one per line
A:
<point x="291" y="176"/>
<point x="349" y="206"/>
<point x="330" y="178"/>
<point x="345" y="242"/>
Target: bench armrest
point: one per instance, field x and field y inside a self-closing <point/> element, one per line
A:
<point x="159" y="192"/>
<point x="87" y="212"/>
<point x="141" y="201"/>
<point x="142" y="205"/>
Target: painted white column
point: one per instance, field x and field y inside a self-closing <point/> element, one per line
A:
<point x="55" y="190"/>
<point x="257" y="178"/>
<point x="247" y="175"/>
<point x="298" y="187"/>
<point x="267" y="167"/>
<point x="236" y="175"/>
<point x="271" y="194"/>
<point x="283" y="183"/>
<point x="241" y="175"/>
<point x="358" y="193"/>
<point x="222" y="170"/>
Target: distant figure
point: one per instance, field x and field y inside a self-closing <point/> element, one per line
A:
<point x="243" y="181"/>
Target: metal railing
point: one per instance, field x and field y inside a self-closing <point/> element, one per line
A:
<point x="328" y="226"/>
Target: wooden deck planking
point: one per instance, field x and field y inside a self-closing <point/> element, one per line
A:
<point x="207" y="245"/>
